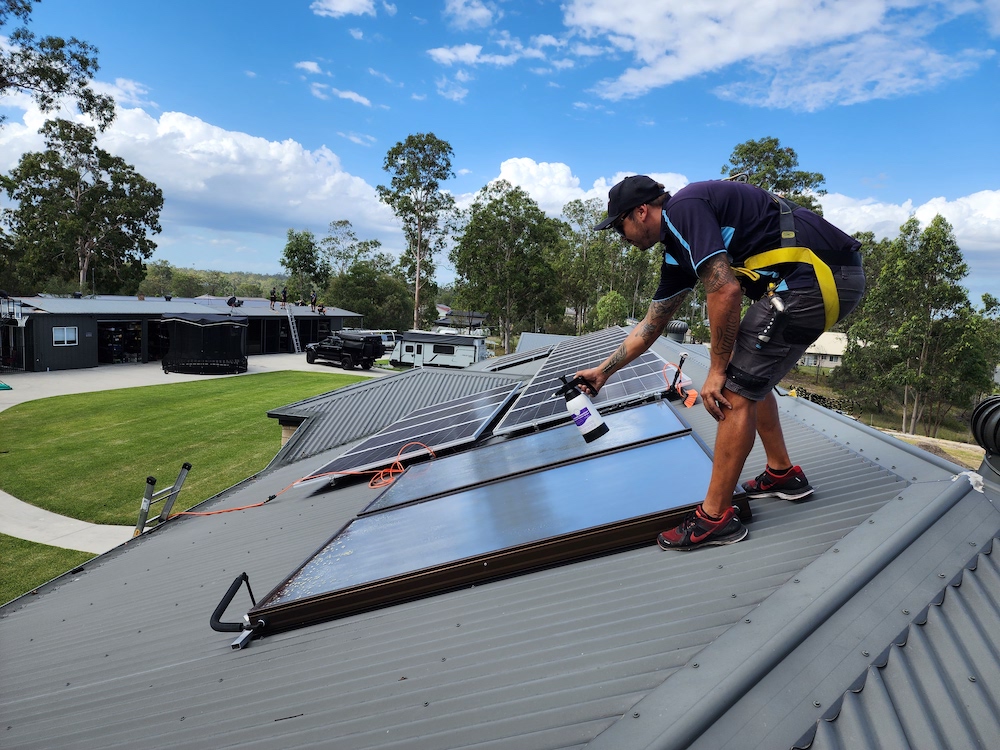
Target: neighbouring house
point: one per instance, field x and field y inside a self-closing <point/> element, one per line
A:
<point x="64" y="333"/>
<point x="496" y="595"/>
<point x="827" y="351"/>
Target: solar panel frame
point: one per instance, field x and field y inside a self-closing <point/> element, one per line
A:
<point x="432" y="428"/>
<point x="642" y="378"/>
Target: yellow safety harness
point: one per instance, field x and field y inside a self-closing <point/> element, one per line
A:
<point x="790" y="252"/>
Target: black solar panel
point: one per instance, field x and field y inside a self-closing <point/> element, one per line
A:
<point x="503" y="528"/>
<point x="535" y="406"/>
<point x="434" y="428"/>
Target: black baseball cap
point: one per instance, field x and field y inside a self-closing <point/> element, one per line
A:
<point x="629" y="193"/>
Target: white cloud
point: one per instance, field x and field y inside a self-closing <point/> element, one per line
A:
<point x="319" y="90"/>
<point x="338" y="8"/>
<point x="359" y="138"/>
<point x="835" y="51"/>
<point x="467" y="14"/>
<point x="220" y="184"/>
<point x="125" y="92"/>
<point x="356" y="33"/>
<point x="351" y="96"/>
<point x="469" y="54"/>
<point x="389" y="8"/>
<point x="450" y="89"/>
<point x="309" y="66"/>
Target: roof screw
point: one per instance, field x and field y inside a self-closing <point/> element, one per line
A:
<point x="426" y="704"/>
<point x="733" y="596"/>
<point x="871" y="520"/>
<point x="836" y="550"/>
<point x="747" y="620"/>
<point x="906" y="611"/>
<point x="720" y="567"/>
<point x="635" y="714"/>
<point x="865" y="653"/>
<point x="696" y="665"/>
<point x="817" y="704"/>
<point x="972" y="544"/>
<point x="795" y="580"/>
<point x="940" y="575"/>
<point x="971" y="678"/>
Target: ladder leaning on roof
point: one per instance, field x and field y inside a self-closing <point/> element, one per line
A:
<point x="294" y="329"/>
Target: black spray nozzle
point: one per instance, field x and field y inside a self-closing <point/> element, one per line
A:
<point x="570" y="387"/>
<point x="677" y="373"/>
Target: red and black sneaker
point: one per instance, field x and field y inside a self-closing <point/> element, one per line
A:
<point x="789" y="485"/>
<point x="698" y="530"/>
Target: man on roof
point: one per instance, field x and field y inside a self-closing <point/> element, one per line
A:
<point x="803" y="274"/>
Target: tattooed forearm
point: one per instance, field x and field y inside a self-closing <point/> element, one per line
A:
<point x="612" y="364"/>
<point x="716" y="273"/>
<point x="660" y="313"/>
<point x="724" y="334"/>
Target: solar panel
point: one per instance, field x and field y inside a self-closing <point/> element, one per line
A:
<point x="507" y="527"/>
<point x="535" y="406"/>
<point x="506" y="361"/>
<point x="643" y="424"/>
<point x="437" y="427"/>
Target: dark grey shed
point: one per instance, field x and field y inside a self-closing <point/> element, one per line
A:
<point x="846" y="621"/>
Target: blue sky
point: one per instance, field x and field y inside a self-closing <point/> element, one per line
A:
<point x="256" y="117"/>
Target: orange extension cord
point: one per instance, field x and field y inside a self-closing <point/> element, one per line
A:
<point x="380" y="478"/>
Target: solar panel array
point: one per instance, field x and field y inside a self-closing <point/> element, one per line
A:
<point x="535" y="406"/>
<point x="446" y="425"/>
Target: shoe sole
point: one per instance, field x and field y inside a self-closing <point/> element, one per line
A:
<point x="709" y="543"/>
<point x="783" y="495"/>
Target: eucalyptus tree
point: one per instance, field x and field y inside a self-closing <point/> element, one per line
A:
<point x="419" y="165"/>
<point x="49" y="68"/>
<point x="306" y="267"/>
<point x="78" y="209"/>
<point x="773" y="168"/>
<point x="503" y="259"/>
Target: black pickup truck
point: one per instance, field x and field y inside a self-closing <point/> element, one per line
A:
<point x="347" y="349"/>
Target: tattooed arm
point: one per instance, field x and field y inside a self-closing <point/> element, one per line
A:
<point x="724" y="299"/>
<point x="639" y="340"/>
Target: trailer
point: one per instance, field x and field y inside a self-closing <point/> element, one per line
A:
<point x="423" y="349"/>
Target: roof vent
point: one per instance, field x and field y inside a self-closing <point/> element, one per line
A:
<point x="986" y="430"/>
<point x="676" y="330"/>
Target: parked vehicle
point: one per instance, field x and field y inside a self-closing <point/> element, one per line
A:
<point x="423" y="349"/>
<point x="347" y="349"/>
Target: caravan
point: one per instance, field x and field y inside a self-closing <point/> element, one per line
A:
<point x="422" y="349"/>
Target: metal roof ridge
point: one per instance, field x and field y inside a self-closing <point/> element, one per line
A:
<point x="692" y="698"/>
<point x="880" y="662"/>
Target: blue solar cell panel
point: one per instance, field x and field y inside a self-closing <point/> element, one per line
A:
<point x="433" y="428"/>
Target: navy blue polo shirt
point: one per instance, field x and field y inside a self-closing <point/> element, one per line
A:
<point x="704" y="219"/>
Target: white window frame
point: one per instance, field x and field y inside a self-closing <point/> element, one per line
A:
<point x="66" y="339"/>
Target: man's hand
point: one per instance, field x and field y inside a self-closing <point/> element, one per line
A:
<point x="712" y="395"/>
<point x="595" y="377"/>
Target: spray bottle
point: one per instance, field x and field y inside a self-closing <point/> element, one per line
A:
<point x="585" y="415"/>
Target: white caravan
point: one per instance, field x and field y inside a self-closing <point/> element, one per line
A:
<point x="423" y="349"/>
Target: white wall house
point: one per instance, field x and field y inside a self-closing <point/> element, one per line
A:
<point x="827" y="351"/>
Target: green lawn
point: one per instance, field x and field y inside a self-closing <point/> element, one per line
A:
<point x="27" y="565"/>
<point x="88" y="455"/>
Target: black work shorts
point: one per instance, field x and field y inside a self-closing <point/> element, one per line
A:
<point x="756" y="367"/>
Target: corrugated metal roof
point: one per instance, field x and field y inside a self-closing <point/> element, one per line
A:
<point x="121" y="654"/>
<point x="363" y="409"/>
<point x="160" y="306"/>
<point x="938" y="683"/>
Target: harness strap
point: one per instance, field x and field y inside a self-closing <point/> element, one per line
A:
<point x="786" y="222"/>
<point x="827" y="286"/>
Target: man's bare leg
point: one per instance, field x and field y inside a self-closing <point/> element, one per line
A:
<point x="732" y="446"/>
<point x="769" y="429"/>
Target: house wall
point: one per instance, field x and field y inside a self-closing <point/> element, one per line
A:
<point x="44" y="355"/>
